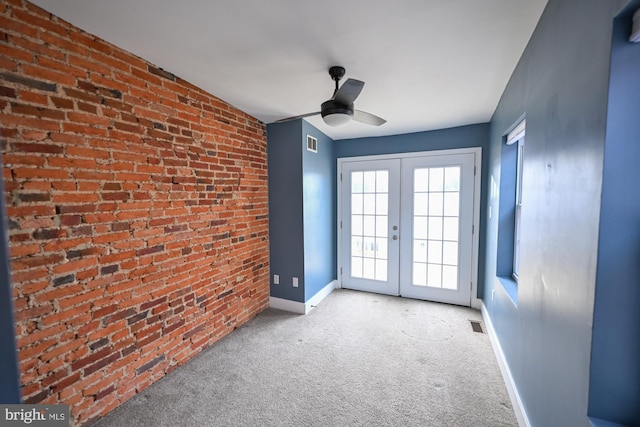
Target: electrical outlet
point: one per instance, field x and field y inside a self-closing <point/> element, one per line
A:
<point x="276" y="279"/>
<point x="295" y="282"/>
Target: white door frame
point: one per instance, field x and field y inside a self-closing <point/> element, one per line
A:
<point x="477" y="151"/>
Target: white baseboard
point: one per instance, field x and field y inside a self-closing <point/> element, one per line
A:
<point x="476" y="303"/>
<point x="322" y="294"/>
<point x="302" y="307"/>
<point x="516" y="401"/>
<point x="287" y="305"/>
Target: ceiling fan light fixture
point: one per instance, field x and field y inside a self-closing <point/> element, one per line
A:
<point x="335" y="114"/>
<point x="336" y="119"/>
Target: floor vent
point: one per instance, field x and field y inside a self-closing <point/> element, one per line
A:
<point x="476" y="326"/>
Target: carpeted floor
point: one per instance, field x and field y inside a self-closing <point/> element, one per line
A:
<point x="358" y="359"/>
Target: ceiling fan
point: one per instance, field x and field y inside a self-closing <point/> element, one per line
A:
<point x="339" y="110"/>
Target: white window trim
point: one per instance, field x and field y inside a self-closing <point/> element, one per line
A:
<point x="517" y="133"/>
<point x="517" y="136"/>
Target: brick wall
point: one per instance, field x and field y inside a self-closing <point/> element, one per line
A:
<point x="137" y="212"/>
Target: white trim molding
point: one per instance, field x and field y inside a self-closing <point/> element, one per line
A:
<point x="322" y="294"/>
<point x="512" y="389"/>
<point x="287" y="305"/>
<point x="474" y="301"/>
<point x="302" y="307"/>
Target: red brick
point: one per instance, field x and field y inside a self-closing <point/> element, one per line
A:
<point x="62" y="103"/>
<point x="88" y="153"/>
<point x="64" y="44"/>
<point x="60" y="350"/>
<point x="79" y="364"/>
<point x="83" y="129"/>
<point x="66" y="382"/>
<point x="33" y="312"/>
<point x="33" y="19"/>
<point x="65" y="315"/>
<point x="60" y="292"/>
<point x="46" y="74"/>
<point x="24" y="160"/>
<point x="102" y="363"/>
<point x="92" y="66"/>
<point x="117" y="177"/>
<point x="79" y="299"/>
<point x="40" y="173"/>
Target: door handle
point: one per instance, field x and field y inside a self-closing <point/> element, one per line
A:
<point x="395" y="237"/>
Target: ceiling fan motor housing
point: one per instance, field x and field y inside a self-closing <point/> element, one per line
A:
<point x="336" y="114"/>
<point x="339" y="110"/>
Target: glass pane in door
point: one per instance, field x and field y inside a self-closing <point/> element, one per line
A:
<point x="369" y="224"/>
<point x="436" y="212"/>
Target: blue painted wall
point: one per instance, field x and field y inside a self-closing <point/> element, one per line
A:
<point x="319" y="200"/>
<point x="9" y="374"/>
<point x="286" y="227"/>
<point x="445" y="139"/>
<point x="302" y="210"/>
<point x="303" y="196"/>
<point x="561" y="84"/>
<point x="615" y="356"/>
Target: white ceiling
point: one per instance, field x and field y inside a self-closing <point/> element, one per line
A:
<point x="427" y="64"/>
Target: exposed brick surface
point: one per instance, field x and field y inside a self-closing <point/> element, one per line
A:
<point x="137" y="212"/>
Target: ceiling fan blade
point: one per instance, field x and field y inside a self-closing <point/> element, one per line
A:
<point x="301" y="116"/>
<point x="368" y="118"/>
<point x="348" y="92"/>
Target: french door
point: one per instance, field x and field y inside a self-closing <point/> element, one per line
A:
<point x="407" y="223"/>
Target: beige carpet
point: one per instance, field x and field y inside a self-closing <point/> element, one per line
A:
<point x="358" y="359"/>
